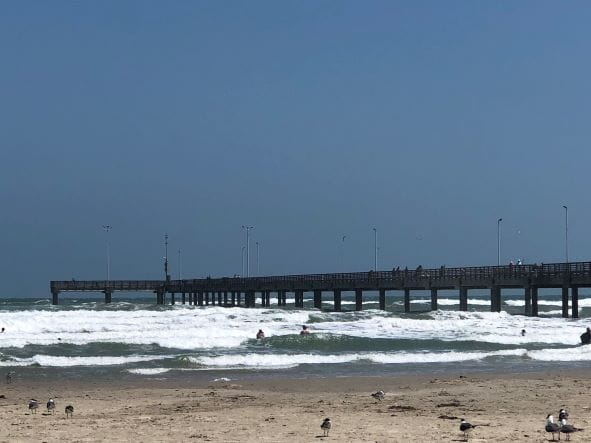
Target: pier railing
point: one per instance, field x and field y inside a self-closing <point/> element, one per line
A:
<point x="484" y="273"/>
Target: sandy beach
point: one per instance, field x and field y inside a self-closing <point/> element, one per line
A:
<point x="512" y="408"/>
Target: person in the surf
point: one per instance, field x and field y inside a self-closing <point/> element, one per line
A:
<point x="304" y="330"/>
<point x="260" y="335"/>
<point x="586" y="337"/>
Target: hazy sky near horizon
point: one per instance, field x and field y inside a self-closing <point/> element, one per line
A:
<point x="309" y="120"/>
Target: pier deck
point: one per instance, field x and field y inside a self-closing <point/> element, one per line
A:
<point x="229" y="291"/>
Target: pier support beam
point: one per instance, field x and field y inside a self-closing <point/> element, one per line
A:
<point x="225" y="298"/>
<point x="337" y="300"/>
<point x="406" y="300"/>
<point x="108" y="296"/>
<point x="574" y="293"/>
<point x="433" y="299"/>
<point x="55" y="297"/>
<point x="183" y="295"/>
<point x="358" y="299"/>
<point x="495" y="299"/>
<point x="318" y="299"/>
<point x="463" y="299"/>
<point x="527" y="299"/>
<point x="172" y="298"/>
<point x="534" y="301"/>
<point x="238" y="298"/>
<point x="219" y="298"/>
<point x="159" y="297"/>
<point x="565" y="301"/>
<point x="382" y="299"/>
<point x="200" y="298"/>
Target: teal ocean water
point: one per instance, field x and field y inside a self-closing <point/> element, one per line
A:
<point x="135" y="338"/>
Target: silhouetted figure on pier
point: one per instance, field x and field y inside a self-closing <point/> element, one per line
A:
<point x="586" y="337"/>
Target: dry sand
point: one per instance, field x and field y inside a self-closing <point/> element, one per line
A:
<point x="416" y="409"/>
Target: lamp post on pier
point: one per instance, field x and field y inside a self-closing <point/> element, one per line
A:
<point x="258" y="267"/>
<point x="242" y="257"/>
<point x="566" y="231"/>
<point x="247" y="229"/>
<point x="107" y="229"/>
<point x="375" y="249"/>
<point x="499" y="241"/>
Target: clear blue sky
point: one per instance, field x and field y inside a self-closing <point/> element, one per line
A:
<point x="309" y="120"/>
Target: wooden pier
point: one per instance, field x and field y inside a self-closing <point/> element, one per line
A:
<point x="237" y="291"/>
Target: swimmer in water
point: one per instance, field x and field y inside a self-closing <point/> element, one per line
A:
<point x="260" y="335"/>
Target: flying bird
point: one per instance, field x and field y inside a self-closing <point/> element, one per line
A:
<point x="380" y="395"/>
<point x="552" y="427"/>
<point x="466" y="427"/>
<point x="51" y="405"/>
<point x="69" y="411"/>
<point x="33" y="405"/>
<point x="326" y="426"/>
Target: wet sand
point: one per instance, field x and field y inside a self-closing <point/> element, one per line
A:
<point x="416" y="409"/>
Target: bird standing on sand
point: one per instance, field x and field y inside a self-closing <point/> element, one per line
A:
<point x="326" y="426"/>
<point x="33" y="405"/>
<point x="380" y="395"/>
<point x="552" y="427"/>
<point x="566" y="428"/>
<point x="51" y="405"/>
<point x="69" y="411"/>
<point x="466" y="427"/>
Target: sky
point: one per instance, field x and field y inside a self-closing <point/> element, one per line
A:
<point x="308" y="120"/>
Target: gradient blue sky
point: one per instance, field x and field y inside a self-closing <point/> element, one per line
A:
<point x="309" y="120"/>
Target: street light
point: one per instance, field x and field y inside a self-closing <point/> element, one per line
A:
<point x="343" y="253"/>
<point x="242" y="256"/>
<point x="107" y="228"/>
<point x="166" y="257"/>
<point x="566" y="231"/>
<point x="180" y="265"/>
<point x="375" y="249"/>
<point x="258" y="268"/>
<point x="499" y="241"/>
<point x="247" y="228"/>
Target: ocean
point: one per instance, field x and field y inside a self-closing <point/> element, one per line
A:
<point x="133" y="338"/>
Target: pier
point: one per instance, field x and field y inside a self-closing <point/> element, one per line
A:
<point x="239" y="291"/>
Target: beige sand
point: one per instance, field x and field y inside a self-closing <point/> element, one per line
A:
<point x="414" y="410"/>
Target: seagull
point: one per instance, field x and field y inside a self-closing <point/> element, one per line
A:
<point x="51" y="405"/>
<point x="552" y="427"/>
<point x="379" y="395"/>
<point x="466" y="427"/>
<point x="562" y="415"/>
<point x="325" y="426"/>
<point x="69" y="411"/>
<point x="33" y="405"/>
<point x="567" y="429"/>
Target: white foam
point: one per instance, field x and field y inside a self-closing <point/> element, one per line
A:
<point x="148" y="371"/>
<point x="252" y="360"/>
<point x="51" y="361"/>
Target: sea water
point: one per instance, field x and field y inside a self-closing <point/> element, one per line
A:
<point x="134" y="337"/>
